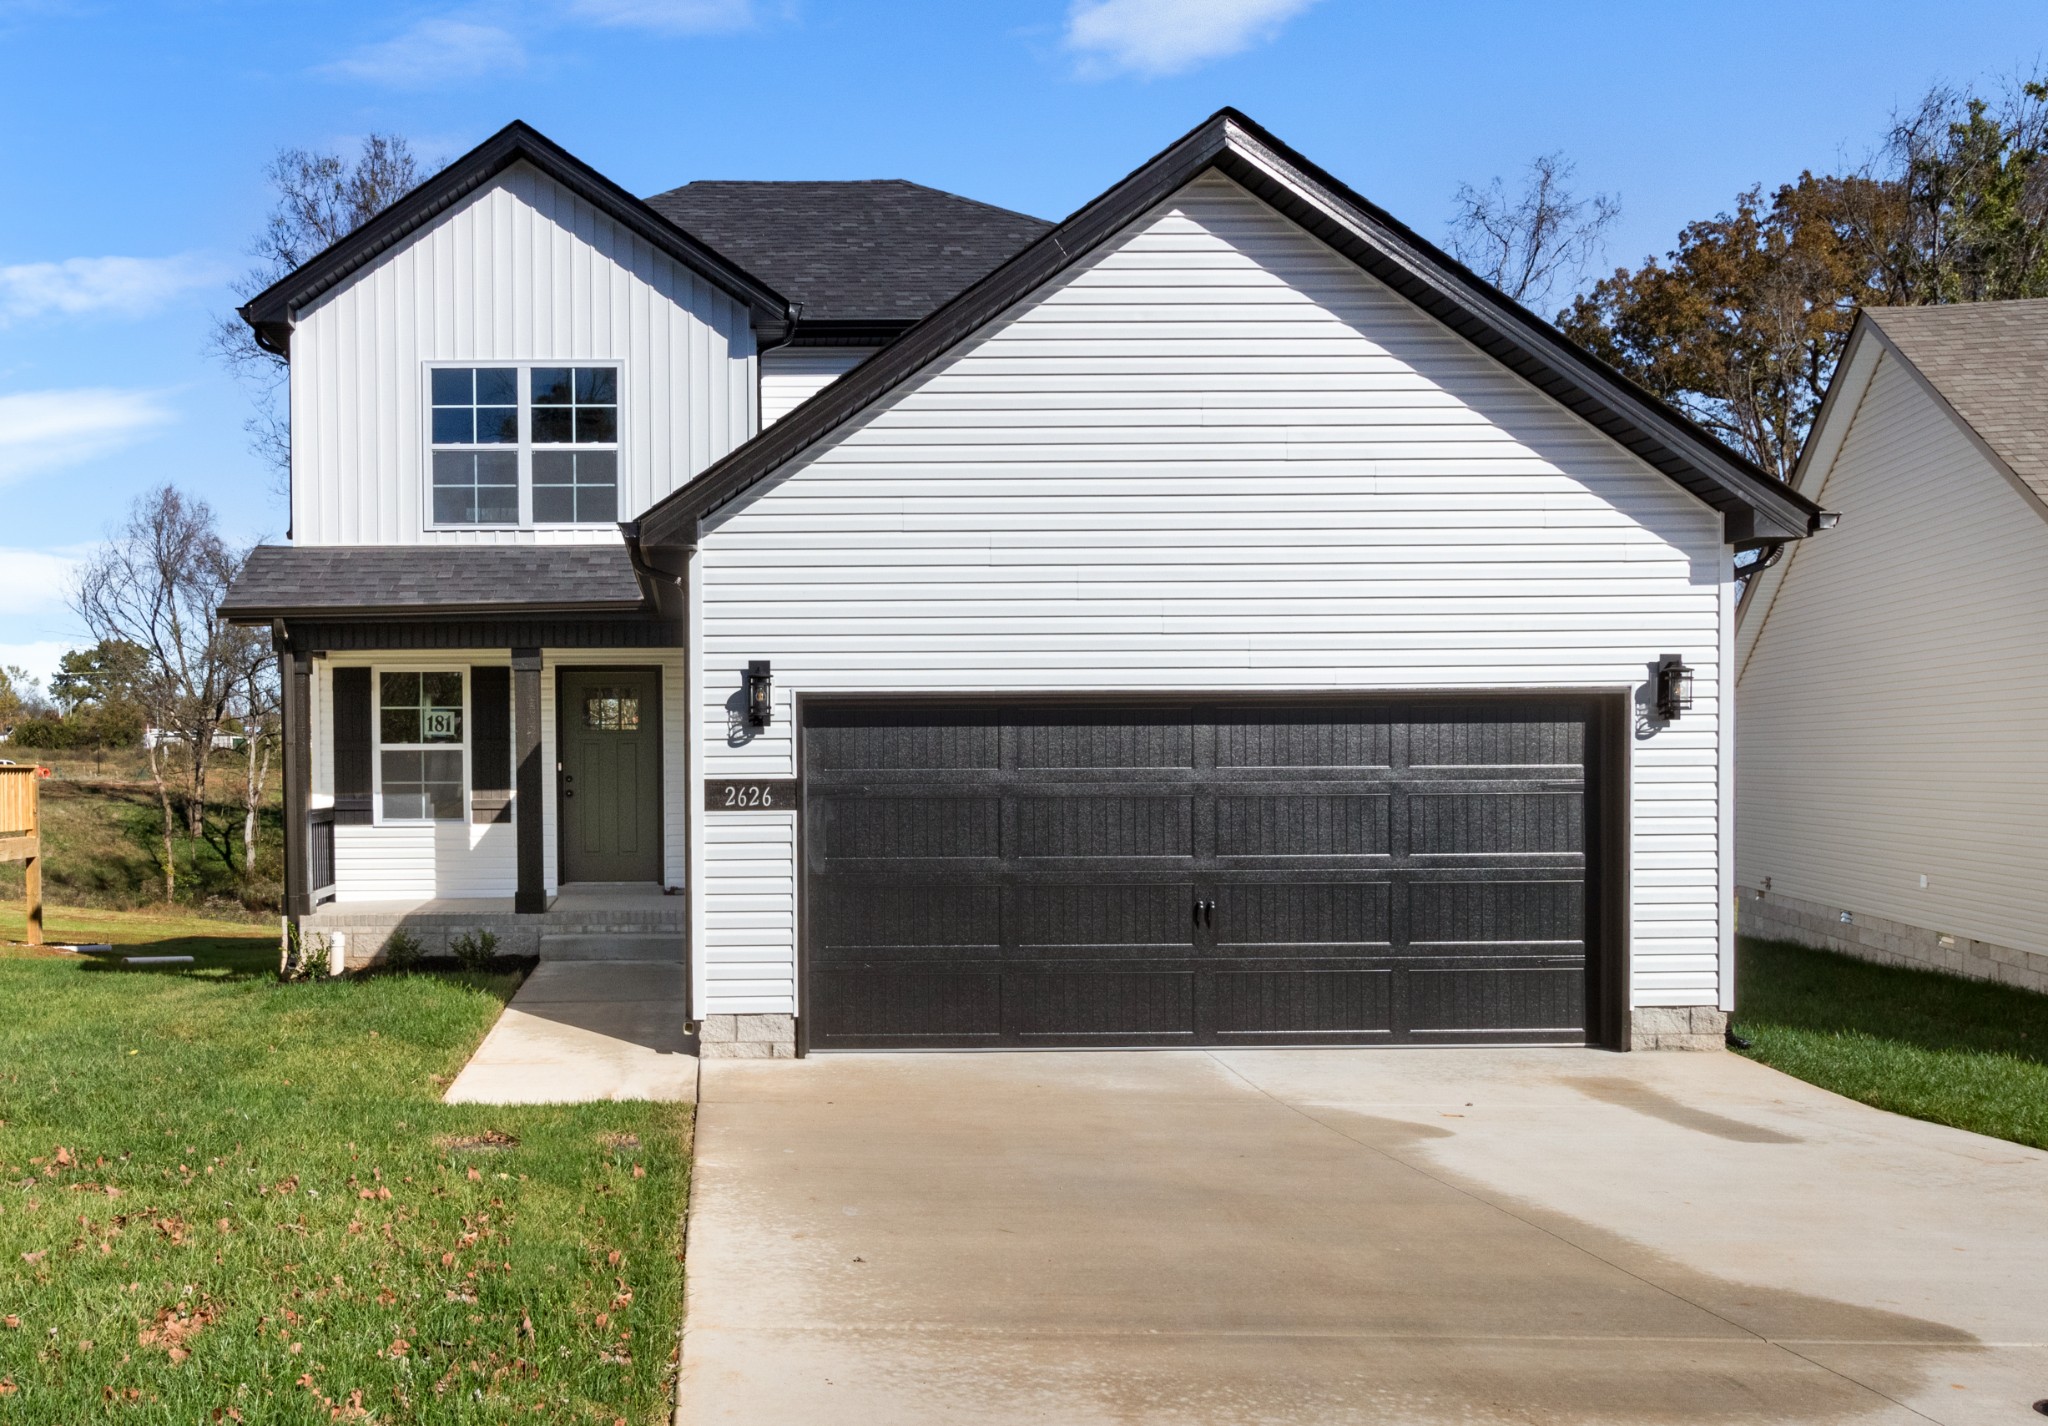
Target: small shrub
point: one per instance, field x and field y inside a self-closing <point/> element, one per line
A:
<point x="475" y="949"/>
<point x="403" y="951"/>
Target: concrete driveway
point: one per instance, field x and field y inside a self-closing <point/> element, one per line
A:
<point x="1333" y="1236"/>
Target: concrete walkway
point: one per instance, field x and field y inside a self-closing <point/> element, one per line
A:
<point x="1343" y="1237"/>
<point x="585" y="1030"/>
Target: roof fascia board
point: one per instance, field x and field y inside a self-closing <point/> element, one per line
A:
<point x="273" y="311"/>
<point x="1824" y="439"/>
<point x="1755" y="507"/>
<point x="1451" y="293"/>
<point x="675" y="519"/>
<point x="334" y="613"/>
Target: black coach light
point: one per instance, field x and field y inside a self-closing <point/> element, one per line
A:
<point x="1674" y="688"/>
<point x="760" y="710"/>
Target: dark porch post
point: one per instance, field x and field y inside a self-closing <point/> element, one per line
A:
<point x="295" y="677"/>
<point x="527" y="773"/>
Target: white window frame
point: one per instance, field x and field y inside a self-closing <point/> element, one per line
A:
<point x="524" y="448"/>
<point x="377" y="817"/>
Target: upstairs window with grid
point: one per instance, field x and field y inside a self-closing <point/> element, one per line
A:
<point x="524" y="445"/>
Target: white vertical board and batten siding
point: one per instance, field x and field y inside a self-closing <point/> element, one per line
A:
<point x="522" y="270"/>
<point x="791" y="376"/>
<point x="1215" y="457"/>
<point x="1891" y="699"/>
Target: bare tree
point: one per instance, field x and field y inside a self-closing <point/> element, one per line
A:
<point x="260" y="727"/>
<point x="320" y="199"/>
<point x="158" y="583"/>
<point x="1528" y="241"/>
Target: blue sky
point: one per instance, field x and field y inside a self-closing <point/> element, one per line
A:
<point x="140" y="131"/>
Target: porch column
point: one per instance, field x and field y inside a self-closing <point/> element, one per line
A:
<point x="527" y="773"/>
<point x="295" y="678"/>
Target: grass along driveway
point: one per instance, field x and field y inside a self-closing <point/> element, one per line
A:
<point x="1968" y="1053"/>
<point x="225" y="1199"/>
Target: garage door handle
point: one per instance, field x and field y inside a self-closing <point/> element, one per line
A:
<point x="1205" y="913"/>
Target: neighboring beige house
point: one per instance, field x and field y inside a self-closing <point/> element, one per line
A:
<point x="1892" y="679"/>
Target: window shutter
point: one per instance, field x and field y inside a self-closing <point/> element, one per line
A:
<point x="490" y="744"/>
<point x="351" y="722"/>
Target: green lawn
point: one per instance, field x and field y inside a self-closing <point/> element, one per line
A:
<point x="225" y="1199"/>
<point x="1963" y="1052"/>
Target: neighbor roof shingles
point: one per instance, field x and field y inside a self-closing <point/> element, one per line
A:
<point x="879" y="250"/>
<point x="281" y="580"/>
<point x="1989" y="361"/>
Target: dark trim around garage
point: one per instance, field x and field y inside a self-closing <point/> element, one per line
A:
<point x="1610" y="726"/>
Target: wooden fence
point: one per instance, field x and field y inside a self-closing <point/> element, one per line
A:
<point x="21" y="837"/>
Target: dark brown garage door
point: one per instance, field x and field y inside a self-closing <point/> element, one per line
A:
<point x="1244" y="873"/>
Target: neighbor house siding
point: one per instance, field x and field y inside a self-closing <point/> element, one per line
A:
<point x="450" y="859"/>
<point x="1891" y="701"/>
<point x="791" y="376"/>
<point x="1214" y="457"/>
<point x="520" y="271"/>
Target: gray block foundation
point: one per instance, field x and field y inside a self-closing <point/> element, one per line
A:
<point x="747" y="1037"/>
<point x="1678" y="1027"/>
<point x="1774" y="916"/>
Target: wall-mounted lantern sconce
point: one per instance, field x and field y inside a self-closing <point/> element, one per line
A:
<point x="1674" y="688"/>
<point x="760" y="709"/>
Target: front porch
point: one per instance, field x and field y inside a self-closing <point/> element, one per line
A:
<point x="596" y="921"/>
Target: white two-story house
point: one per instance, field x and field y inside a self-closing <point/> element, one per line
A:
<point x="1219" y="618"/>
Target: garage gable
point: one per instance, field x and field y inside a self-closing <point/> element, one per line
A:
<point x="1217" y="360"/>
<point x="1755" y="508"/>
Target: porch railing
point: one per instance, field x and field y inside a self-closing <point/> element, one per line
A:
<point x="320" y="847"/>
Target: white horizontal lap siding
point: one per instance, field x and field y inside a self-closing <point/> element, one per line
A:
<point x="1219" y="457"/>
<point x="791" y="376"/>
<point x="1891" y="704"/>
<point x="520" y="271"/>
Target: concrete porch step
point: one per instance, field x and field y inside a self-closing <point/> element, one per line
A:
<point x="612" y="946"/>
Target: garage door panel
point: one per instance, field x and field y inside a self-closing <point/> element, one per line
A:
<point x="1089" y="918"/>
<point x="1272" y="824"/>
<point x="1122" y="1006"/>
<point x="1477" y="738"/>
<point x="899" y="828"/>
<point x="1195" y="872"/>
<point x="1270" y="1005"/>
<point x="879" y="1006"/>
<point x="1283" y="918"/>
<point x="1257" y="737"/>
<point x="868" y="919"/>
<point x="1099" y="826"/>
<point x="1497" y="1002"/>
<point x="1058" y="740"/>
<point x="1443" y="823"/>
<point x="1504" y="910"/>
<point x="851" y="739"/>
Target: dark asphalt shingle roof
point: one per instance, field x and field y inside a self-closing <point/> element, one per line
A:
<point x="880" y="250"/>
<point x="1989" y="361"/>
<point x="287" y="580"/>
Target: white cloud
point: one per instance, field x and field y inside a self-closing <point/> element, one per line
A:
<point x="129" y="286"/>
<point x="37" y="580"/>
<point x="46" y="430"/>
<point x="434" y="52"/>
<point x="673" y="17"/>
<point x="1157" y="37"/>
<point x="40" y="660"/>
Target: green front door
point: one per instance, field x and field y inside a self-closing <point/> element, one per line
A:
<point x="609" y="731"/>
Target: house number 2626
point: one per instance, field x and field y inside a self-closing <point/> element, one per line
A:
<point x="753" y="794"/>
